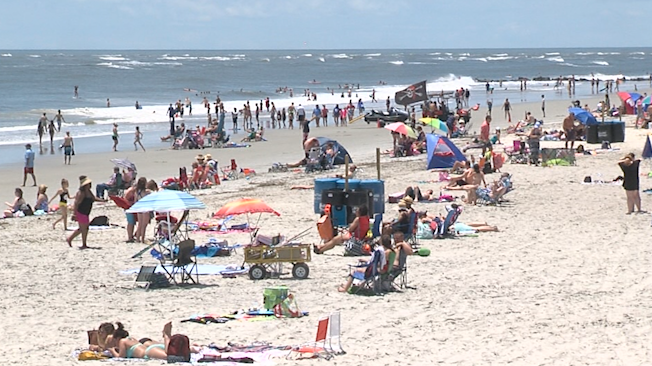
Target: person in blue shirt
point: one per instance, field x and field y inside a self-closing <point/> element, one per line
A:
<point x="29" y="164"/>
<point x="360" y="107"/>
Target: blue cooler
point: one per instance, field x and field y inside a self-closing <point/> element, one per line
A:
<point x="322" y="184"/>
<point x="378" y="188"/>
<point x="353" y="184"/>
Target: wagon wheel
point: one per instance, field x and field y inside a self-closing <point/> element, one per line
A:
<point x="257" y="272"/>
<point x="300" y="271"/>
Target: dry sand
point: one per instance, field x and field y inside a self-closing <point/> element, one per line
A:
<point x="565" y="281"/>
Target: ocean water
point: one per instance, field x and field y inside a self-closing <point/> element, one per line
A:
<point x="33" y="82"/>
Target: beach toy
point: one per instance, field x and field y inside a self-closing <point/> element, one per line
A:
<point x="423" y="252"/>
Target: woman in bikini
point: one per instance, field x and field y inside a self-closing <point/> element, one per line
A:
<point x="129" y="347"/>
<point x="84" y="200"/>
<point x="143" y="217"/>
<point x="63" y="195"/>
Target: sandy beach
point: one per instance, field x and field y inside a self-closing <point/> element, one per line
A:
<point x="563" y="282"/>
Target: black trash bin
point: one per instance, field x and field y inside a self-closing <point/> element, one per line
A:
<point x="605" y="132"/>
<point x="592" y="134"/>
<point x="618" y="131"/>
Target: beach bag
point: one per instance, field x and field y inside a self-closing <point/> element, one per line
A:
<point x="100" y="221"/>
<point x="179" y="349"/>
<point x="90" y="356"/>
<point x="587" y="179"/>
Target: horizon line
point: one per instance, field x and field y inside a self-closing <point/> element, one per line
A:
<point x="320" y="49"/>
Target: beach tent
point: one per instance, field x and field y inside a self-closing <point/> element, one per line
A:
<point x="629" y="101"/>
<point x="647" y="149"/>
<point x="587" y="118"/>
<point x="341" y="151"/>
<point x="442" y="152"/>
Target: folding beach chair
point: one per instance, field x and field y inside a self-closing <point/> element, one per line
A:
<point x="369" y="280"/>
<point x="184" y="265"/>
<point x="314" y="160"/>
<point x="318" y="347"/>
<point x="145" y="275"/>
<point x="117" y="189"/>
<point x="334" y="345"/>
<point x="444" y="229"/>
<point x="398" y="274"/>
<point x="411" y="235"/>
<point x="232" y="172"/>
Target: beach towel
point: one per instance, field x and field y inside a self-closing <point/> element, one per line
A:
<point x="202" y="269"/>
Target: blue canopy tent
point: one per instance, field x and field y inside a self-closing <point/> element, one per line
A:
<point x="442" y="152"/>
<point x="583" y="116"/>
<point x="341" y="151"/>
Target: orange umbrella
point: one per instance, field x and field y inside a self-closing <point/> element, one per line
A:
<point x="244" y="206"/>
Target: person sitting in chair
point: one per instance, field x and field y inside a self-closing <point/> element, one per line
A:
<point x="112" y="183"/>
<point x="353" y="238"/>
<point x="381" y="251"/>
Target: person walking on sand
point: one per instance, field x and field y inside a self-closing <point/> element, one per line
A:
<point x="507" y="107"/>
<point x="42" y="125"/>
<point x="84" y="200"/>
<point x="29" y="164"/>
<point x="63" y="195"/>
<point x="543" y="105"/>
<point x="59" y="118"/>
<point x="234" y="117"/>
<point x="137" y="137"/>
<point x="68" y="148"/>
<point x="115" y="136"/>
<point x="629" y="165"/>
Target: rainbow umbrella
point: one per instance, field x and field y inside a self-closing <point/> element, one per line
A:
<point x="245" y="206"/>
<point x="435" y="123"/>
<point x="402" y="128"/>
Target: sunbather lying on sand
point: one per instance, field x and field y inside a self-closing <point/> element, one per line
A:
<point x="104" y="338"/>
<point x="128" y="347"/>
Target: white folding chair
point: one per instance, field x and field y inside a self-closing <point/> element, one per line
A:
<point x="334" y="345"/>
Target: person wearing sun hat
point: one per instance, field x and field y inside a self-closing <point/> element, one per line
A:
<point x="402" y="222"/>
<point x="84" y="200"/>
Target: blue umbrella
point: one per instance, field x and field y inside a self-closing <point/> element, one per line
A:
<point x="165" y="201"/>
<point x="583" y="116"/>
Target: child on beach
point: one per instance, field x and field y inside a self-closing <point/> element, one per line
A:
<point x="63" y="195"/>
<point x="137" y="137"/>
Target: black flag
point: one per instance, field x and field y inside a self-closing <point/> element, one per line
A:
<point x="412" y="94"/>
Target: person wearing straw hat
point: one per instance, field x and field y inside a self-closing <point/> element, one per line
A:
<point x="210" y="171"/>
<point x="84" y="200"/>
<point x="198" y="172"/>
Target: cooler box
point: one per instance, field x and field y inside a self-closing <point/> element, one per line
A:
<point x="378" y="188"/>
<point x="618" y="131"/>
<point x="354" y="184"/>
<point x="273" y="296"/>
<point x="321" y="185"/>
<point x="605" y="132"/>
<point x="339" y="216"/>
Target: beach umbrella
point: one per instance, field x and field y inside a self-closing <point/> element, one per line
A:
<point x="165" y="201"/>
<point x="124" y="163"/>
<point x="587" y="118"/>
<point x="647" y="149"/>
<point x="121" y="202"/>
<point x="435" y="123"/>
<point x="647" y="100"/>
<point x="624" y="96"/>
<point x="245" y="206"/>
<point x="402" y="128"/>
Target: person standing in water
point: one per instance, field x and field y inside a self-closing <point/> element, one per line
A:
<point x="59" y="118"/>
<point x="114" y="136"/>
<point x="51" y="130"/>
<point x="68" y="148"/>
<point x="137" y="137"/>
<point x="76" y="91"/>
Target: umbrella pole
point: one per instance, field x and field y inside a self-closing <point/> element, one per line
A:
<point x="170" y="235"/>
<point x="346" y="172"/>
<point x="377" y="162"/>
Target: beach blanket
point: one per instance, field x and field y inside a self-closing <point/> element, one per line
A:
<point x="250" y="315"/>
<point x="202" y="269"/>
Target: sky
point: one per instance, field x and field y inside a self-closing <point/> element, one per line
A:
<point x="321" y="24"/>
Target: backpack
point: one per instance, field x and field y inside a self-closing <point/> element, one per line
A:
<point x="100" y="221"/>
<point x="179" y="349"/>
